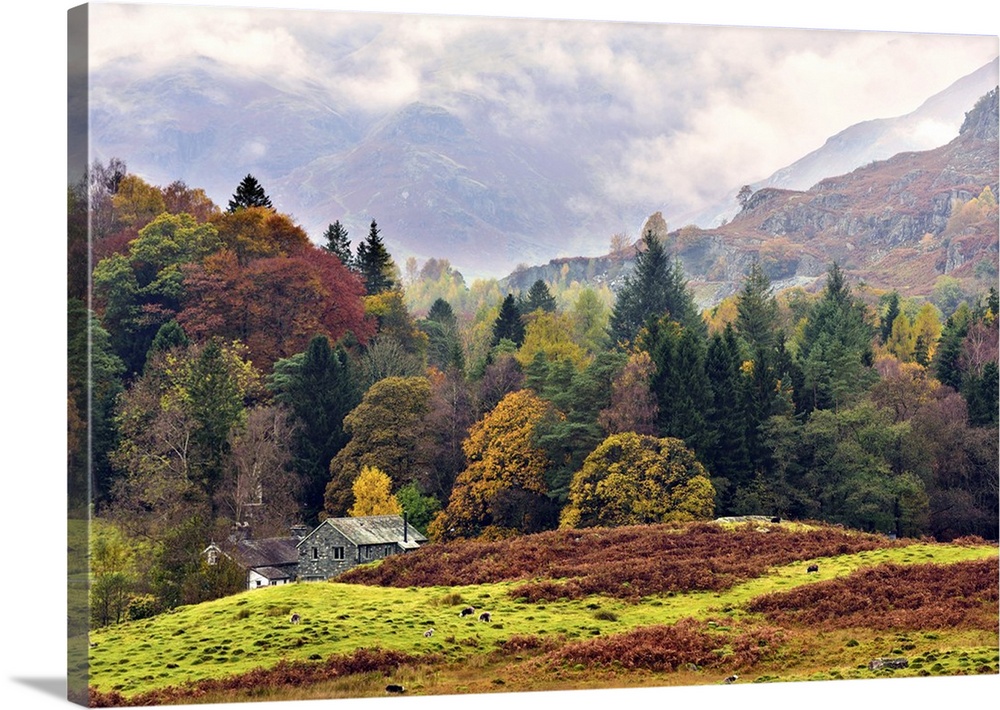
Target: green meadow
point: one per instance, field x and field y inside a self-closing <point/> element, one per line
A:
<point x="236" y="634"/>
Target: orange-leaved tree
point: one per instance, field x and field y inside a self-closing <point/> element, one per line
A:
<point x="502" y="491"/>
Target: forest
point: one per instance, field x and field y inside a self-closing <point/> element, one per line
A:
<point x="227" y="371"/>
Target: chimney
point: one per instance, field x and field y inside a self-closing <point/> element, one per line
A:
<point x="404" y="526"/>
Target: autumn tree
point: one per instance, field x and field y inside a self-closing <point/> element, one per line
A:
<point x="136" y="203"/>
<point x="902" y="339"/>
<point x="590" y="321"/>
<point x="550" y="335"/>
<point x="275" y="305"/>
<point x="260" y="232"/>
<point x="387" y="430"/>
<point x="373" y="494"/>
<point x="633" y="479"/>
<point x="633" y="405"/>
<point x="259" y="489"/>
<point x="503" y="459"/>
<point x="178" y="198"/>
<point x="249" y="193"/>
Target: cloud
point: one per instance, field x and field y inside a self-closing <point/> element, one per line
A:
<point x="681" y="109"/>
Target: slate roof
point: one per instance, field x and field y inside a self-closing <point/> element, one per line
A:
<point x="274" y="572"/>
<point x="269" y="552"/>
<point x="374" y="530"/>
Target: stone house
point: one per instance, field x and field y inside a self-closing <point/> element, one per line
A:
<point x="334" y="546"/>
<point x="337" y="544"/>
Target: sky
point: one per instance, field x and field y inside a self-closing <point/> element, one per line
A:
<point x="33" y="356"/>
<point x="698" y="106"/>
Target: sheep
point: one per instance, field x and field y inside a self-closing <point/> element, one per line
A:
<point x="393" y="688"/>
<point x="775" y="519"/>
<point x="467" y="611"/>
<point x="295" y="618"/>
<point x="485" y="616"/>
<point x="428" y="633"/>
<point x="812" y="568"/>
<point x="731" y="679"/>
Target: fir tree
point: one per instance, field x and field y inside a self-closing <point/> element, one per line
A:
<point x="318" y="388"/>
<point x="679" y="381"/>
<point x="891" y="312"/>
<point x="836" y="349"/>
<point x="374" y="263"/>
<point x="508" y="325"/>
<point x="539" y="298"/>
<point x="249" y="193"/>
<point x="655" y="288"/>
<point x="338" y="244"/>
<point x="728" y="459"/>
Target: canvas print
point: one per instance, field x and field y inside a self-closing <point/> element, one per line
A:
<point x="417" y="355"/>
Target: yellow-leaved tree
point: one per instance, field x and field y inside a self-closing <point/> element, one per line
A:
<point x="373" y="494"/>
<point x="634" y="479"/>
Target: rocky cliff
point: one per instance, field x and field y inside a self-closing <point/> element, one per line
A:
<point x="899" y="223"/>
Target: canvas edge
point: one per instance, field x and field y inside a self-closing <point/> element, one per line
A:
<point x="77" y="487"/>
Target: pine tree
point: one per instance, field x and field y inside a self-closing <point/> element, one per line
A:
<point x="508" y="325"/>
<point x="757" y="311"/>
<point x="655" y="288"/>
<point x="679" y="381"/>
<point x="249" y="193"/>
<point x="891" y="313"/>
<point x="836" y="349"/>
<point x="374" y="263"/>
<point x="728" y="458"/>
<point x="539" y="297"/>
<point x="338" y="244"/>
<point x="317" y="386"/>
<point x="444" y="345"/>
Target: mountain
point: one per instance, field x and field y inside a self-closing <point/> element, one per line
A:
<point x="899" y="223"/>
<point x="457" y="177"/>
<point x="440" y="180"/>
<point x="934" y="122"/>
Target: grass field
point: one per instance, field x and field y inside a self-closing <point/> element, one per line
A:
<point x="220" y="650"/>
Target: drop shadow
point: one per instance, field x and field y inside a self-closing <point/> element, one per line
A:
<point x="50" y="686"/>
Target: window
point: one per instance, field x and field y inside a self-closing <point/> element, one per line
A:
<point x="315" y="553"/>
<point x="338" y="553"/>
<point x="213" y="557"/>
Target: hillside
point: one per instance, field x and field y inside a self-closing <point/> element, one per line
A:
<point x="899" y="223"/>
<point x="749" y="616"/>
<point x="932" y="123"/>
